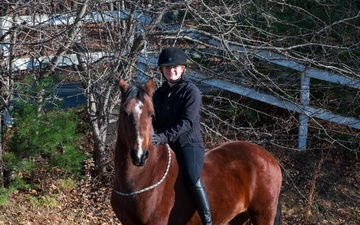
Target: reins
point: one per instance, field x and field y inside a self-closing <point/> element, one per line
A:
<point x="152" y="186"/>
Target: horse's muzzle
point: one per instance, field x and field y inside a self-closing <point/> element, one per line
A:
<point x="139" y="161"/>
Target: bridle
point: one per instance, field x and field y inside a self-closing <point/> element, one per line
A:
<point x="152" y="186"/>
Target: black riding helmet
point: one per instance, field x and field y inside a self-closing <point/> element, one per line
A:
<point x="172" y="57"/>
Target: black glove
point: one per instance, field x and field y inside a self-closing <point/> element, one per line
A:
<point x="158" y="139"/>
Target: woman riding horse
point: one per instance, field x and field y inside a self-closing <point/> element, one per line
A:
<point x="177" y="105"/>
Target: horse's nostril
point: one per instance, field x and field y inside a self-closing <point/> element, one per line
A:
<point x="133" y="154"/>
<point x="146" y="154"/>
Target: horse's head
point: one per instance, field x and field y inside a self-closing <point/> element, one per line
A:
<point x="135" y="124"/>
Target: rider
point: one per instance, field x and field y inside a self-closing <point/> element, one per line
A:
<point x="177" y="105"/>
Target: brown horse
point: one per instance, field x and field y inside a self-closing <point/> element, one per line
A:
<point x="242" y="179"/>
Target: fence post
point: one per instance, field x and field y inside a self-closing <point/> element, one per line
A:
<point x="303" y="118"/>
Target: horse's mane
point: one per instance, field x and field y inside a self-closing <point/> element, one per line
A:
<point x="136" y="91"/>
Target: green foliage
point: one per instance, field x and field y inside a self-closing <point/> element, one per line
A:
<point x="17" y="183"/>
<point x="240" y="112"/>
<point x="44" y="138"/>
<point x="327" y="95"/>
<point x="66" y="184"/>
<point x="4" y="194"/>
<point x="305" y="21"/>
<point x="45" y="201"/>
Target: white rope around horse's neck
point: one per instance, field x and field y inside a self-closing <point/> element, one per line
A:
<point x="152" y="186"/>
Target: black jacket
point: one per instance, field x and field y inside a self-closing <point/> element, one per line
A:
<point x="177" y="114"/>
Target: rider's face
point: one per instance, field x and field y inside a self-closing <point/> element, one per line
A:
<point x="172" y="73"/>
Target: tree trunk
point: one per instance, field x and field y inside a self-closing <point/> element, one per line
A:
<point x="1" y="154"/>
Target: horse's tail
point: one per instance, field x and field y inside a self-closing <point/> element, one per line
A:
<point x="278" y="216"/>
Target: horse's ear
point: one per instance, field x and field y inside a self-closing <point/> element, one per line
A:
<point x="123" y="86"/>
<point x="150" y="86"/>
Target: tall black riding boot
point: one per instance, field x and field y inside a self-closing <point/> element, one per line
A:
<point x="201" y="202"/>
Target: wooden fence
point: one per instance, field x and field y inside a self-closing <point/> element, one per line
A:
<point x="305" y="110"/>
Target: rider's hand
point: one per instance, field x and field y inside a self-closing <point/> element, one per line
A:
<point x="158" y="139"/>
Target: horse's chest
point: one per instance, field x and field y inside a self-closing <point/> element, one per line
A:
<point x="152" y="208"/>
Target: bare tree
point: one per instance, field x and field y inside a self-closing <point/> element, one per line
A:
<point x="107" y="38"/>
<point x="124" y="39"/>
<point x="255" y="43"/>
<point x="230" y="40"/>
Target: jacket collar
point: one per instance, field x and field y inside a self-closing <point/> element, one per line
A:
<point x="166" y="88"/>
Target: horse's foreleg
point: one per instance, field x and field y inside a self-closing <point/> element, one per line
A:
<point x="264" y="217"/>
<point x="241" y="219"/>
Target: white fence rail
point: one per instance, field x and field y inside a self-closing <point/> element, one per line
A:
<point x="303" y="108"/>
